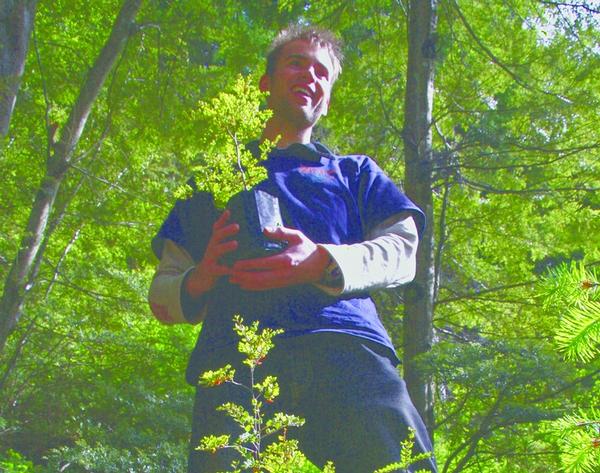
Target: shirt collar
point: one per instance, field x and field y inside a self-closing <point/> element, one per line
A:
<point x="313" y="151"/>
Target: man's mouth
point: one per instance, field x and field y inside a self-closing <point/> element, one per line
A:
<point x="299" y="90"/>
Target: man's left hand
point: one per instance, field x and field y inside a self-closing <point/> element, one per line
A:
<point x="302" y="262"/>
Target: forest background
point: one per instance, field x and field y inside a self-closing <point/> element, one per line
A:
<point x="485" y="112"/>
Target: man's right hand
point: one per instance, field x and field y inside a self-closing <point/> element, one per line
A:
<point x="204" y="277"/>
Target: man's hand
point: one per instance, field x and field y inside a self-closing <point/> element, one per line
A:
<point x="302" y="262"/>
<point x="204" y="277"/>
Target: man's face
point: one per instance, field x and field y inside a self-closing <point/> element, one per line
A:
<point x="300" y="86"/>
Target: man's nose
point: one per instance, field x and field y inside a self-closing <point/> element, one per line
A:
<point x="308" y="73"/>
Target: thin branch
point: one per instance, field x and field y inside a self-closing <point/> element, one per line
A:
<point x="12" y="363"/>
<point x="54" y="45"/>
<point x="94" y="148"/>
<point x="403" y="7"/>
<point x="443" y="234"/>
<point x="99" y="296"/>
<point x="111" y="185"/>
<point x="455" y="413"/>
<point x="566" y="387"/>
<point x="588" y="423"/>
<point x="382" y="103"/>
<point x="562" y="155"/>
<point x="239" y="158"/>
<point x="575" y="149"/>
<point x="61" y="260"/>
<point x="582" y="6"/>
<point x="33" y="374"/>
<point x="497" y="454"/>
<point x="52" y="226"/>
<point x="505" y="301"/>
<point x="144" y="226"/>
<point x="443" y="237"/>
<point x="50" y="130"/>
<point x="484" y="291"/>
<point x="493" y="190"/>
<point x="471" y="443"/>
<point x="497" y="60"/>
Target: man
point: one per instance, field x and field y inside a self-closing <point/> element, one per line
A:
<point x="348" y="230"/>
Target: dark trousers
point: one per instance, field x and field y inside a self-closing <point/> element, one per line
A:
<point x="356" y="406"/>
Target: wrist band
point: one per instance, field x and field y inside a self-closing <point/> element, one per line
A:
<point x="332" y="276"/>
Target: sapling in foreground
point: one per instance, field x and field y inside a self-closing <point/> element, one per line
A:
<point x="280" y="455"/>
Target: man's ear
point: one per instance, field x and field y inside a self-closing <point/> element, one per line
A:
<point x="264" y="84"/>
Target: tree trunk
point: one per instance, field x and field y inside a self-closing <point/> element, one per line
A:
<point x="418" y="317"/>
<point x="19" y="280"/>
<point x="16" y="23"/>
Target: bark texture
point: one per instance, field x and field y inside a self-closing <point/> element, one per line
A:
<point x="419" y="303"/>
<point x="16" y="24"/>
<point x="20" y="277"/>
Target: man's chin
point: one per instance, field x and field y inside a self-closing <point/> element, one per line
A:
<point x="300" y="117"/>
<point x="305" y="119"/>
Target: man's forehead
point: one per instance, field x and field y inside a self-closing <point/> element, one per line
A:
<point x="311" y="49"/>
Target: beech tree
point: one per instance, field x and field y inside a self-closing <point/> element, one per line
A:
<point x="16" y="23"/>
<point x="418" y="158"/>
<point x="21" y="275"/>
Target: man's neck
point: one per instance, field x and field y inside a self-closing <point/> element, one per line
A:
<point x="285" y="137"/>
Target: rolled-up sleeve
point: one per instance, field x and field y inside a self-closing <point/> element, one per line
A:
<point x="386" y="260"/>
<point x="165" y="290"/>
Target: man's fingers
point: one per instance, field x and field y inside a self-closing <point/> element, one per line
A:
<point x="222" y="248"/>
<point x="222" y="220"/>
<point x="220" y="270"/>
<point x="259" y="264"/>
<point x="261" y="281"/>
<point x="225" y="232"/>
<point x="283" y="234"/>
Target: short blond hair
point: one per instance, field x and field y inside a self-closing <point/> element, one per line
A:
<point x="320" y="36"/>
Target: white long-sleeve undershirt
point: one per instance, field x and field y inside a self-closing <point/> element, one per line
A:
<point x="387" y="259"/>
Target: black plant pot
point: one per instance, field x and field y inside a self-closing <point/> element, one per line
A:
<point x="254" y="210"/>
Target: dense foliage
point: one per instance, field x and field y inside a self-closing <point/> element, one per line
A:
<point x="89" y="381"/>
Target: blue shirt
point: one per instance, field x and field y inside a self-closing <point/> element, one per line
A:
<point x="331" y="199"/>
